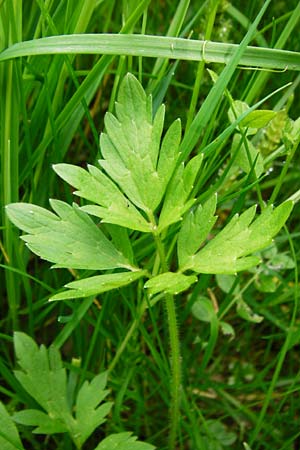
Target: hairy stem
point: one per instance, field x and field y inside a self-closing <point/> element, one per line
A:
<point x="175" y="358"/>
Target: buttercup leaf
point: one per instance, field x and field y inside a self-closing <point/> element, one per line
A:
<point x="95" y="186"/>
<point x="228" y="252"/>
<point x="123" y="441"/>
<point x="97" y="284"/>
<point x="70" y="239"/>
<point x="9" y="436"/>
<point x="90" y="412"/>
<point x="177" y="200"/>
<point x="43" y="376"/>
<point x="130" y="147"/>
<point x="195" y="228"/>
<point x="170" y="283"/>
<point x="43" y="423"/>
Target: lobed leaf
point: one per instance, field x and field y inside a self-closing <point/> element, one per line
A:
<point x="195" y="228"/>
<point x="96" y="285"/>
<point x="89" y="415"/>
<point x="170" y="283"/>
<point x="95" y="186"/>
<point x="43" y="422"/>
<point x="177" y="200"/>
<point x="123" y="441"/>
<point x="42" y="375"/>
<point x="68" y="239"/>
<point x="131" y="147"/>
<point x="228" y="252"/>
<point x="9" y="436"/>
<point x="44" y="378"/>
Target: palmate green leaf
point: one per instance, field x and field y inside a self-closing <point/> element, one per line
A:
<point x="42" y="376"/>
<point x="89" y="415"/>
<point x="95" y="186"/>
<point x="134" y="156"/>
<point x="123" y="441"/>
<point x="9" y="436"/>
<point x="68" y="239"/>
<point x="228" y="252"/>
<point x="170" y="283"/>
<point x="195" y="228"/>
<point x="97" y="284"/>
<point x="177" y="200"/>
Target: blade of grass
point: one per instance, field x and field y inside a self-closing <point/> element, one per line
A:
<point x="158" y="46"/>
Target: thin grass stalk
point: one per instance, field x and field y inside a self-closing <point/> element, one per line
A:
<point x="11" y="29"/>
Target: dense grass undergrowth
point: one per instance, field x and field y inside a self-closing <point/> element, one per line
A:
<point x="174" y="317"/>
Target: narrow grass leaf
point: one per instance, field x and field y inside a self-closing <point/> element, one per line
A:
<point x="156" y="47"/>
<point x="213" y="98"/>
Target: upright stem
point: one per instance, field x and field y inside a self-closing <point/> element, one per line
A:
<point x="175" y="359"/>
<point x="175" y="370"/>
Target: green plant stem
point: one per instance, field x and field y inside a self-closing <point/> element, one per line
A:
<point x="175" y="369"/>
<point x="175" y="357"/>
